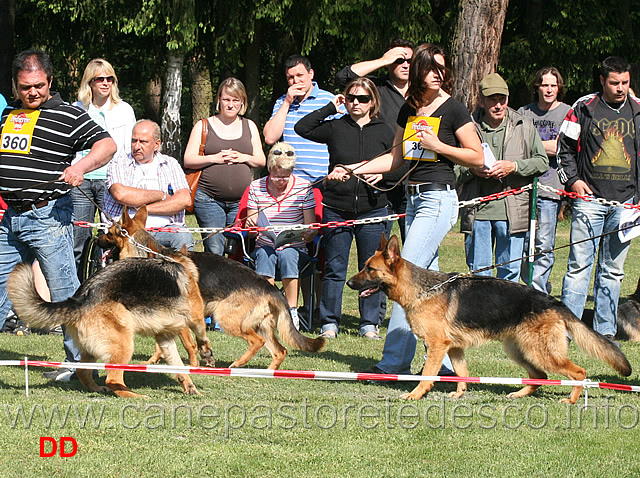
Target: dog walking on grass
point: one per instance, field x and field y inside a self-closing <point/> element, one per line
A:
<point x="468" y="311"/>
<point x="152" y="297"/>
<point x="242" y="302"/>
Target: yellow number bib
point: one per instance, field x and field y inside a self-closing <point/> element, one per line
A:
<point x="411" y="147"/>
<point x="18" y="131"/>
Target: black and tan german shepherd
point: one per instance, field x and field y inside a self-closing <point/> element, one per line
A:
<point x="468" y="311"/>
<point x="242" y="302"/>
<point x="629" y="317"/>
<point x="153" y="297"/>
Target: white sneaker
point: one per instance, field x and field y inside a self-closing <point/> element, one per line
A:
<point x="294" y="316"/>
<point x="60" y="375"/>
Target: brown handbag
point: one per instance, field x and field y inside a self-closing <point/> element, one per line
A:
<point x="193" y="175"/>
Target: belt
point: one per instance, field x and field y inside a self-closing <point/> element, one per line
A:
<point x="27" y="207"/>
<point x="424" y="187"/>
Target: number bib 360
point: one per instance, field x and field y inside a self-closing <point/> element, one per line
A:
<point x="18" y="131"/>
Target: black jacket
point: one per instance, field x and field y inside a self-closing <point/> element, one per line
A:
<point x="348" y="143"/>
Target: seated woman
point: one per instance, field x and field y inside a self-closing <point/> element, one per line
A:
<point x="281" y="199"/>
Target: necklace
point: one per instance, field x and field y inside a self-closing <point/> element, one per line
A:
<point x="617" y="110"/>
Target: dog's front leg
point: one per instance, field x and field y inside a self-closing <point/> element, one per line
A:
<point x="170" y="351"/>
<point x="435" y="355"/>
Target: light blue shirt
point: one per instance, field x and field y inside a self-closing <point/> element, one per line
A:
<point x="3" y="104"/>
<point x="312" y="159"/>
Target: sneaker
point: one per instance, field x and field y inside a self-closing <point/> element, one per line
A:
<point x="13" y="325"/>
<point x="295" y="317"/>
<point x="60" y="375"/>
<point x="56" y="330"/>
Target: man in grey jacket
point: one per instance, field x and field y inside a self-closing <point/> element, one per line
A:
<point x="514" y="154"/>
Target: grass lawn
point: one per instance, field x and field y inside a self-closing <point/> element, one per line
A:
<point x="274" y="427"/>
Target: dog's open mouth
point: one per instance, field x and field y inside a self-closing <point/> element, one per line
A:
<point x="369" y="291"/>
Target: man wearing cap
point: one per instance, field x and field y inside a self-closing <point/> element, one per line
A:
<point x="514" y="154"/>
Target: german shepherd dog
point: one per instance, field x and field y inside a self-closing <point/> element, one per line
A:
<point x="243" y="303"/>
<point x="154" y="297"/>
<point x="468" y="311"/>
<point x="629" y="318"/>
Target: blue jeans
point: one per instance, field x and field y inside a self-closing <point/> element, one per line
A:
<point x="45" y="234"/>
<point x="84" y="210"/>
<point x="479" y="247"/>
<point x="174" y="240"/>
<point x="430" y="216"/>
<point x="286" y="261"/>
<point x="337" y="245"/>
<point x="213" y="213"/>
<point x="545" y="241"/>
<point x="589" y="219"/>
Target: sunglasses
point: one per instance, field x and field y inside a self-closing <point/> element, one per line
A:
<point x="361" y="98"/>
<point x="277" y="152"/>
<point x="400" y="61"/>
<point x="101" y="79"/>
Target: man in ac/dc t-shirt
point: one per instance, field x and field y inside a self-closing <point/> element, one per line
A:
<point x="598" y="151"/>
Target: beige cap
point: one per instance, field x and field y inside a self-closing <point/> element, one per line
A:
<point x="493" y="84"/>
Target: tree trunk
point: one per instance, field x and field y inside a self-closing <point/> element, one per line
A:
<point x="7" y="20"/>
<point x="201" y="92"/>
<point x="253" y="74"/>
<point x="153" y="99"/>
<point x="476" y="46"/>
<point x="171" y="106"/>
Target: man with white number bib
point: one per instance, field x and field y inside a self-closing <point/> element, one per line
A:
<point x="40" y="135"/>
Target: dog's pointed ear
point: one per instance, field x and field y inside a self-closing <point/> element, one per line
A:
<point x="141" y="215"/>
<point x="392" y="250"/>
<point x="383" y="242"/>
<point x="183" y="250"/>
<point x="125" y="219"/>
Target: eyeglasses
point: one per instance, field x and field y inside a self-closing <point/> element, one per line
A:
<point x="400" y="61"/>
<point x="277" y="152"/>
<point x="101" y="79"/>
<point x="279" y="178"/>
<point x="361" y="98"/>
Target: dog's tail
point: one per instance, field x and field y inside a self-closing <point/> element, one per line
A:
<point x="597" y="345"/>
<point x="291" y="336"/>
<point x="28" y="304"/>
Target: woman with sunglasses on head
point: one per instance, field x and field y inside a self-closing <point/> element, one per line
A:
<point x="99" y="96"/>
<point x="232" y="149"/>
<point x="434" y="132"/>
<point x="360" y="135"/>
<point x="281" y="199"/>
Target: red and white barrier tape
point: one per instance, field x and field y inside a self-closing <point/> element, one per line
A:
<point x="317" y="375"/>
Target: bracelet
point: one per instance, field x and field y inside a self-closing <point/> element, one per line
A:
<point x="164" y="197"/>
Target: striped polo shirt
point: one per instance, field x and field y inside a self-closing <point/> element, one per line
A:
<point x="312" y="159"/>
<point x="287" y="212"/>
<point x="60" y="131"/>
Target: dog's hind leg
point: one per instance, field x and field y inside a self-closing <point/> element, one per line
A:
<point x="86" y="376"/>
<point x="460" y="368"/>
<point x="199" y="327"/>
<point x="278" y="352"/>
<point x="190" y="346"/>
<point x="121" y="351"/>
<point x="513" y="350"/>
<point x="435" y="354"/>
<point x="171" y="355"/>
<point x="255" y="342"/>
<point x="566" y="367"/>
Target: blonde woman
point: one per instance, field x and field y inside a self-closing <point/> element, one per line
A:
<point x="282" y="199"/>
<point x="233" y="147"/>
<point x="98" y="95"/>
